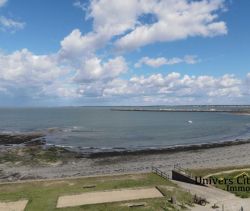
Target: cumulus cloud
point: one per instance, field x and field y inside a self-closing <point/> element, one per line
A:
<point x="176" y="19"/>
<point x="174" y="85"/>
<point x="78" y="45"/>
<point x="120" y="22"/>
<point x="94" y="69"/>
<point x="62" y="90"/>
<point x="160" y="61"/>
<point x="25" y="75"/>
<point x="79" y="71"/>
<point x="32" y="77"/>
<point x="24" y="67"/>
<point x="44" y="76"/>
<point x="112" y="17"/>
<point x="48" y="75"/>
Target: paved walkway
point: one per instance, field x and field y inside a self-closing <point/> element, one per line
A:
<point x="107" y="196"/>
<point x="13" y="206"/>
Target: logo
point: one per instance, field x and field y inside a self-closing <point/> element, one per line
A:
<point x="238" y="183"/>
<point x="242" y="174"/>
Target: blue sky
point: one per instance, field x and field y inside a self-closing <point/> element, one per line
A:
<point x="111" y="52"/>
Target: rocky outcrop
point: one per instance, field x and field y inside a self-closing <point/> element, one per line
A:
<point x="27" y="139"/>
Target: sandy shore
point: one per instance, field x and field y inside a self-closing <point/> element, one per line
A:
<point x="237" y="155"/>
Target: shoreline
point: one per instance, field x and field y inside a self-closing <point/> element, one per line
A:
<point x="71" y="164"/>
<point x="34" y="139"/>
<point x="30" y="159"/>
<point x="170" y="149"/>
<point x="182" y="110"/>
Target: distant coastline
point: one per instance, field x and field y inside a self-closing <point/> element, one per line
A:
<point x="181" y="110"/>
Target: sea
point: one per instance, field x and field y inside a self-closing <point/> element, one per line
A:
<point x="107" y="129"/>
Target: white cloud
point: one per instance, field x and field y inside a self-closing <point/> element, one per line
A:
<point x="7" y="24"/>
<point x="3" y="2"/>
<point x="174" y="87"/>
<point x="45" y="76"/>
<point x="76" y="44"/>
<point x="23" y="67"/>
<point x="119" y="22"/>
<point x="108" y="21"/>
<point x="93" y="69"/>
<point x="60" y="90"/>
<point x="80" y="71"/>
<point x="48" y="75"/>
<point x="114" y="17"/>
<point x="228" y="92"/>
<point x="23" y="73"/>
<point x="160" y="61"/>
<point x="118" y="87"/>
<point x="177" y="19"/>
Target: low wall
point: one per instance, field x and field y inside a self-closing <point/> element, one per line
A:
<point x="183" y="178"/>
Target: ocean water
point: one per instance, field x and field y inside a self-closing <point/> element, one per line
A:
<point x="102" y="128"/>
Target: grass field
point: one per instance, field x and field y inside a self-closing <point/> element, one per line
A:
<point x="43" y="195"/>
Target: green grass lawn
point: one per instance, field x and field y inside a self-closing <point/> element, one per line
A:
<point x="43" y="195"/>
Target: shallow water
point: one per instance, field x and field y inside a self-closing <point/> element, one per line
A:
<point x="102" y="128"/>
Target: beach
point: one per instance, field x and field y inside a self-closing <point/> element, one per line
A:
<point x="73" y="165"/>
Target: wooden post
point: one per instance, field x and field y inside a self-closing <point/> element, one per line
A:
<point x="173" y="199"/>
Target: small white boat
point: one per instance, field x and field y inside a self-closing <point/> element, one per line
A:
<point x="190" y="121"/>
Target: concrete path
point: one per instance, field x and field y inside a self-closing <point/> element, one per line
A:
<point x="13" y="206"/>
<point x="107" y="196"/>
